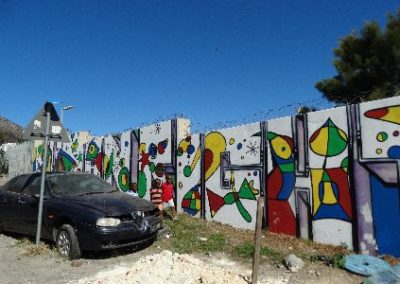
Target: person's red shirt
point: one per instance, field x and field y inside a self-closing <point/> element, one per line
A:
<point x="167" y="191"/>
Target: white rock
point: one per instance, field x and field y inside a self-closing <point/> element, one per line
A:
<point x="293" y="263"/>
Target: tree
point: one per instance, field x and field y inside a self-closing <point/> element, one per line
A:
<point x="305" y="109"/>
<point x="367" y="63"/>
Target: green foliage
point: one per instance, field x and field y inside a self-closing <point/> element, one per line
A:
<point x="337" y="261"/>
<point x="214" y="242"/>
<point x="305" y="109"/>
<point x="3" y="163"/>
<point x="191" y="235"/>
<point x="367" y="63"/>
<point x="9" y="137"/>
<point x="246" y="250"/>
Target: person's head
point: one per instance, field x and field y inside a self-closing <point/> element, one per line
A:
<point x="156" y="183"/>
<point x="168" y="178"/>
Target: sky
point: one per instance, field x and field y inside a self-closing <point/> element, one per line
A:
<point x="124" y="64"/>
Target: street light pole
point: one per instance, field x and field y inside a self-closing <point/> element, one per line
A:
<point x="62" y="112"/>
<point x="47" y="108"/>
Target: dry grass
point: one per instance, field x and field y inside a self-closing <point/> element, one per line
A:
<point x="197" y="235"/>
<point x="28" y="248"/>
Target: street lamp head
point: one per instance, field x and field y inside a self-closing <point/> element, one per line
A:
<point x="67" y="107"/>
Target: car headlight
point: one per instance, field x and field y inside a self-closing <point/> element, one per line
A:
<point x="108" y="222"/>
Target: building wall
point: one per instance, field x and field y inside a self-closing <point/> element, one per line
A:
<point x="189" y="190"/>
<point x="331" y="176"/>
<point x="233" y="170"/>
<point x="19" y="159"/>
<point x="328" y="162"/>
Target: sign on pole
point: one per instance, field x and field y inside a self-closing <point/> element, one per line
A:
<point x="45" y="125"/>
<point x="37" y="127"/>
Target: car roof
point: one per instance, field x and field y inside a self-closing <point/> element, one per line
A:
<point x="54" y="174"/>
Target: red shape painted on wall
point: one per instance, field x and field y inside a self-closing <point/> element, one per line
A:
<point x="281" y="219"/>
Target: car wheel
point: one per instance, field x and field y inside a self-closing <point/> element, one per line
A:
<point x="67" y="242"/>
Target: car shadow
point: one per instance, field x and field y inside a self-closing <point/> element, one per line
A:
<point x="21" y="237"/>
<point x="116" y="252"/>
<point x="85" y="254"/>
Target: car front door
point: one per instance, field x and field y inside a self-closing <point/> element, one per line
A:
<point x="28" y="204"/>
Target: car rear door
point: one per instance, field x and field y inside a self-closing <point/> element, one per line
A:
<point x="9" y="207"/>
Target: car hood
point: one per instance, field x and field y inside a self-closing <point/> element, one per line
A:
<point x="112" y="204"/>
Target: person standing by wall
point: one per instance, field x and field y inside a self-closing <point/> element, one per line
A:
<point x="168" y="195"/>
<point x="156" y="194"/>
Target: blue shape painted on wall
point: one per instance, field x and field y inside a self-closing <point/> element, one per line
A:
<point x="386" y="214"/>
<point x="394" y="152"/>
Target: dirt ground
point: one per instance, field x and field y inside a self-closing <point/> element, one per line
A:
<point x="23" y="262"/>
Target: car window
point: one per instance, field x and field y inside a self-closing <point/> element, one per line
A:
<point x="78" y="184"/>
<point x="33" y="186"/>
<point x="16" y="184"/>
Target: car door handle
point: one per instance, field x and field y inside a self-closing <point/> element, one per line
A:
<point x="21" y="201"/>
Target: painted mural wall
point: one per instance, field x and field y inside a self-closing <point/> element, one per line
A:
<point x="232" y="173"/>
<point x="330" y="176"/>
<point x="189" y="189"/>
<point x="378" y="194"/>
<point x="281" y="177"/>
<point x="328" y="162"/>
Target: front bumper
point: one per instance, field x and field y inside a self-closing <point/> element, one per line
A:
<point x="127" y="234"/>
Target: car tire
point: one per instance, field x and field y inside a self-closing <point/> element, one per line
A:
<point x="67" y="242"/>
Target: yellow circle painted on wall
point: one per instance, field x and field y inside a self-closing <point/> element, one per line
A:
<point x="381" y="136"/>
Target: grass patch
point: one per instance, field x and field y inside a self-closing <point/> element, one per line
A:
<point x="22" y="242"/>
<point x="337" y="260"/>
<point x="214" y="242"/>
<point x="246" y="250"/>
<point x="195" y="235"/>
<point x="31" y="249"/>
<point x="243" y="250"/>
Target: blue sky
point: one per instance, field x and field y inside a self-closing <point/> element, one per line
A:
<point x="124" y="63"/>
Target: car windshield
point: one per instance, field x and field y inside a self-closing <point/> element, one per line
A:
<point x="78" y="184"/>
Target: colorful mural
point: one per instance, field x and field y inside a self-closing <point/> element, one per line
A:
<point x="377" y="184"/>
<point x="70" y="156"/>
<point x="281" y="178"/>
<point x="94" y="157"/>
<point x="330" y="176"/>
<point x="233" y="174"/>
<point x="328" y="162"/>
<point x="37" y="156"/>
<point x="121" y="171"/>
<point x="189" y="191"/>
<point x="155" y="155"/>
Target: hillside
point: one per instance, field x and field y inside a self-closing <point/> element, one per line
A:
<point x="9" y="131"/>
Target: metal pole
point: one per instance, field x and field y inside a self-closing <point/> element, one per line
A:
<point x="45" y="145"/>
<point x="62" y="116"/>
<point x="257" y="240"/>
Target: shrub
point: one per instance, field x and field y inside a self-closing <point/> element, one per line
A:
<point x="3" y="163"/>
